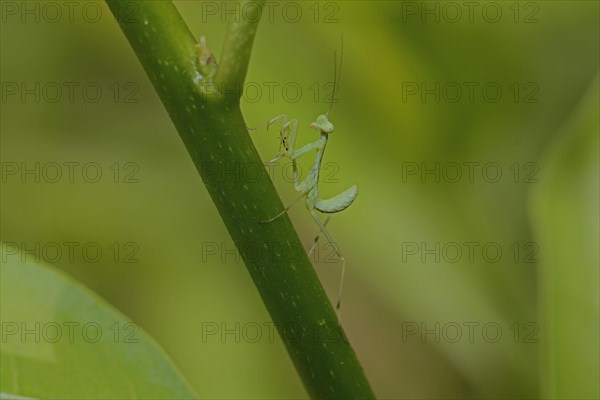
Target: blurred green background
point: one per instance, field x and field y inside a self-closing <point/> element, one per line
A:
<point x="403" y="306"/>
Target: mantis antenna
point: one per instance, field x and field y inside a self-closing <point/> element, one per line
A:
<point x="336" y="75"/>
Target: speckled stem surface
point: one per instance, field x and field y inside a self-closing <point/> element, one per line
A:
<point x="214" y="132"/>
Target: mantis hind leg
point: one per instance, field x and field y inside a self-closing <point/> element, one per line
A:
<point x="341" y="257"/>
<point x="285" y="210"/>
<point x="316" y="239"/>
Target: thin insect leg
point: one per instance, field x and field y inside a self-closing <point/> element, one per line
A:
<point x="274" y="160"/>
<point x="286" y="145"/>
<point x="339" y="253"/>
<point x="316" y="145"/>
<point x="295" y="171"/>
<point x="284" y="210"/>
<point x="312" y="248"/>
<point x="288" y="140"/>
<point x="269" y="122"/>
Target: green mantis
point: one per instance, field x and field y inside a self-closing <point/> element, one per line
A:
<point x="309" y="187"/>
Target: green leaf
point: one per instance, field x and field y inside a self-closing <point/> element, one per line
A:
<point x="60" y="340"/>
<point x="566" y="220"/>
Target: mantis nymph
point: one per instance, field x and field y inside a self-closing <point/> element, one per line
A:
<point x="308" y="188"/>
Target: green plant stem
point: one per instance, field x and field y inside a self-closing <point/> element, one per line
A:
<point x="238" y="47"/>
<point x="216" y="137"/>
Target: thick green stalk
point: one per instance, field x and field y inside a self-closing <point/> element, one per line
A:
<point x="214" y="132"/>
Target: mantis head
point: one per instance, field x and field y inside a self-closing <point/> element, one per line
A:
<point x="322" y="124"/>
